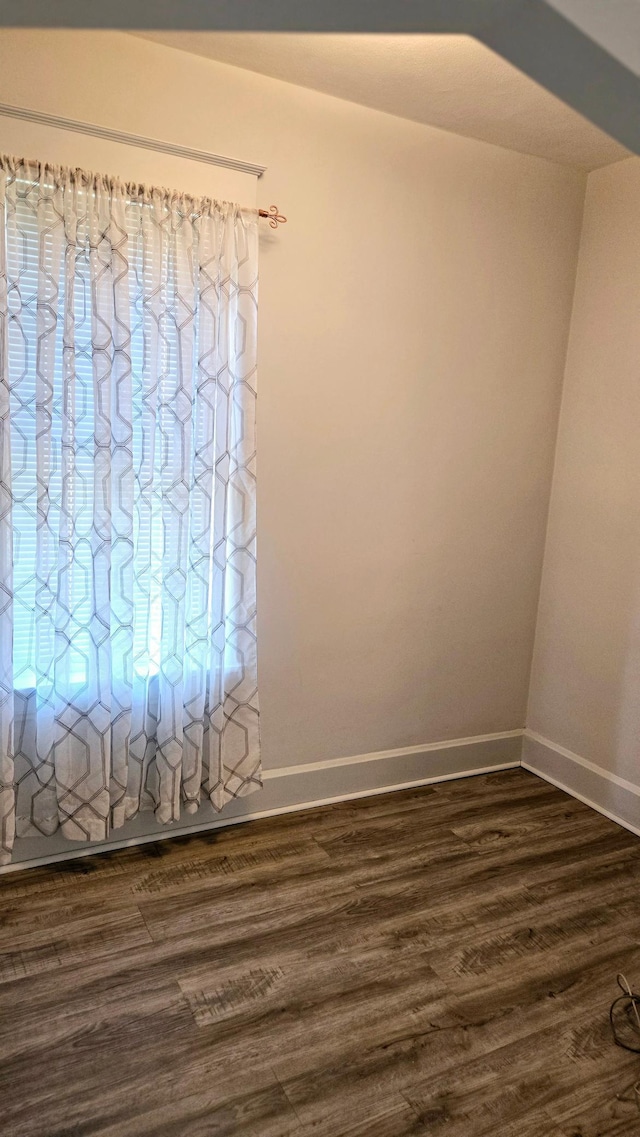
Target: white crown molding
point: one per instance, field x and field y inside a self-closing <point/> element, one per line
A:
<point x="139" y="140"/>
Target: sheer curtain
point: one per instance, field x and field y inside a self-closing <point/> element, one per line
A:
<point x="128" y="674"/>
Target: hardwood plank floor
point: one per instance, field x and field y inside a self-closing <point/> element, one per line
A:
<point x="436" y="962"/>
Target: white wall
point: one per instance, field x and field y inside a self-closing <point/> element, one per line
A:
<point x="413" y="323"/>
<point x="586" y="672"/>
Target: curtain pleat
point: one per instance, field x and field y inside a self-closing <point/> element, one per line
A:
<point x="128" y="667"/>
<point x="7" y="788"/>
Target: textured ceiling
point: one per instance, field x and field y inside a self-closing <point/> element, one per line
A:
<point x="449" y="81"/>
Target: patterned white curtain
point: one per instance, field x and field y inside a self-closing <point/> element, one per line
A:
<point x="127" y="502"/>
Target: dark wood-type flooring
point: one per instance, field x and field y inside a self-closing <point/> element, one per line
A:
<point x="437" y="961"/>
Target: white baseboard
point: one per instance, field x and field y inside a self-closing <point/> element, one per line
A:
<point x="615" y="797"/>
<point x="290" y="788"/>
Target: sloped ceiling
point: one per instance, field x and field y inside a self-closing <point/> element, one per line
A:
<point x="449" y="81"/>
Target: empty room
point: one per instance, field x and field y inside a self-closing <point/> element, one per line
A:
<point x="319" y="586"/>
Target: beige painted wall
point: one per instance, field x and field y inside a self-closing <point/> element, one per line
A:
<point x="413" y="326"/>
<point x="586" y="672"/>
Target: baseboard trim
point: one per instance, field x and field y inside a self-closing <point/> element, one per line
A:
<point x="288" y="789"/>
<point x="400" y="752"/>
<point x="607" y="793"/>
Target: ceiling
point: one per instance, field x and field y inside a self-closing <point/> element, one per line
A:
<point x="448" y="81"/>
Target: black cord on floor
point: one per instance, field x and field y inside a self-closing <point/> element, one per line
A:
<point x="624" y="1016"/>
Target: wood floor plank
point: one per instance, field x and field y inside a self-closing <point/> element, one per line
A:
<point x="259" y="1113"/>
<point x="529" y="944"/>
<point x="30" y="952"/>
<point x="238" y="903"/>
<point x="532" y="1075"/>
<point x="592" y="1106"/>
<point x="437" y="961"/>
<point x="397" y="1121"/>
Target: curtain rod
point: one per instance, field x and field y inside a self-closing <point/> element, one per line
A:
<point x="58" y="121"/>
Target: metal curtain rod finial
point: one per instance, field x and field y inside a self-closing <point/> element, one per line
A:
<point x="275" y="218"/>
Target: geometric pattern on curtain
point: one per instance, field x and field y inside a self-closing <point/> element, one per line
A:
<point x="128" y="668"/>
